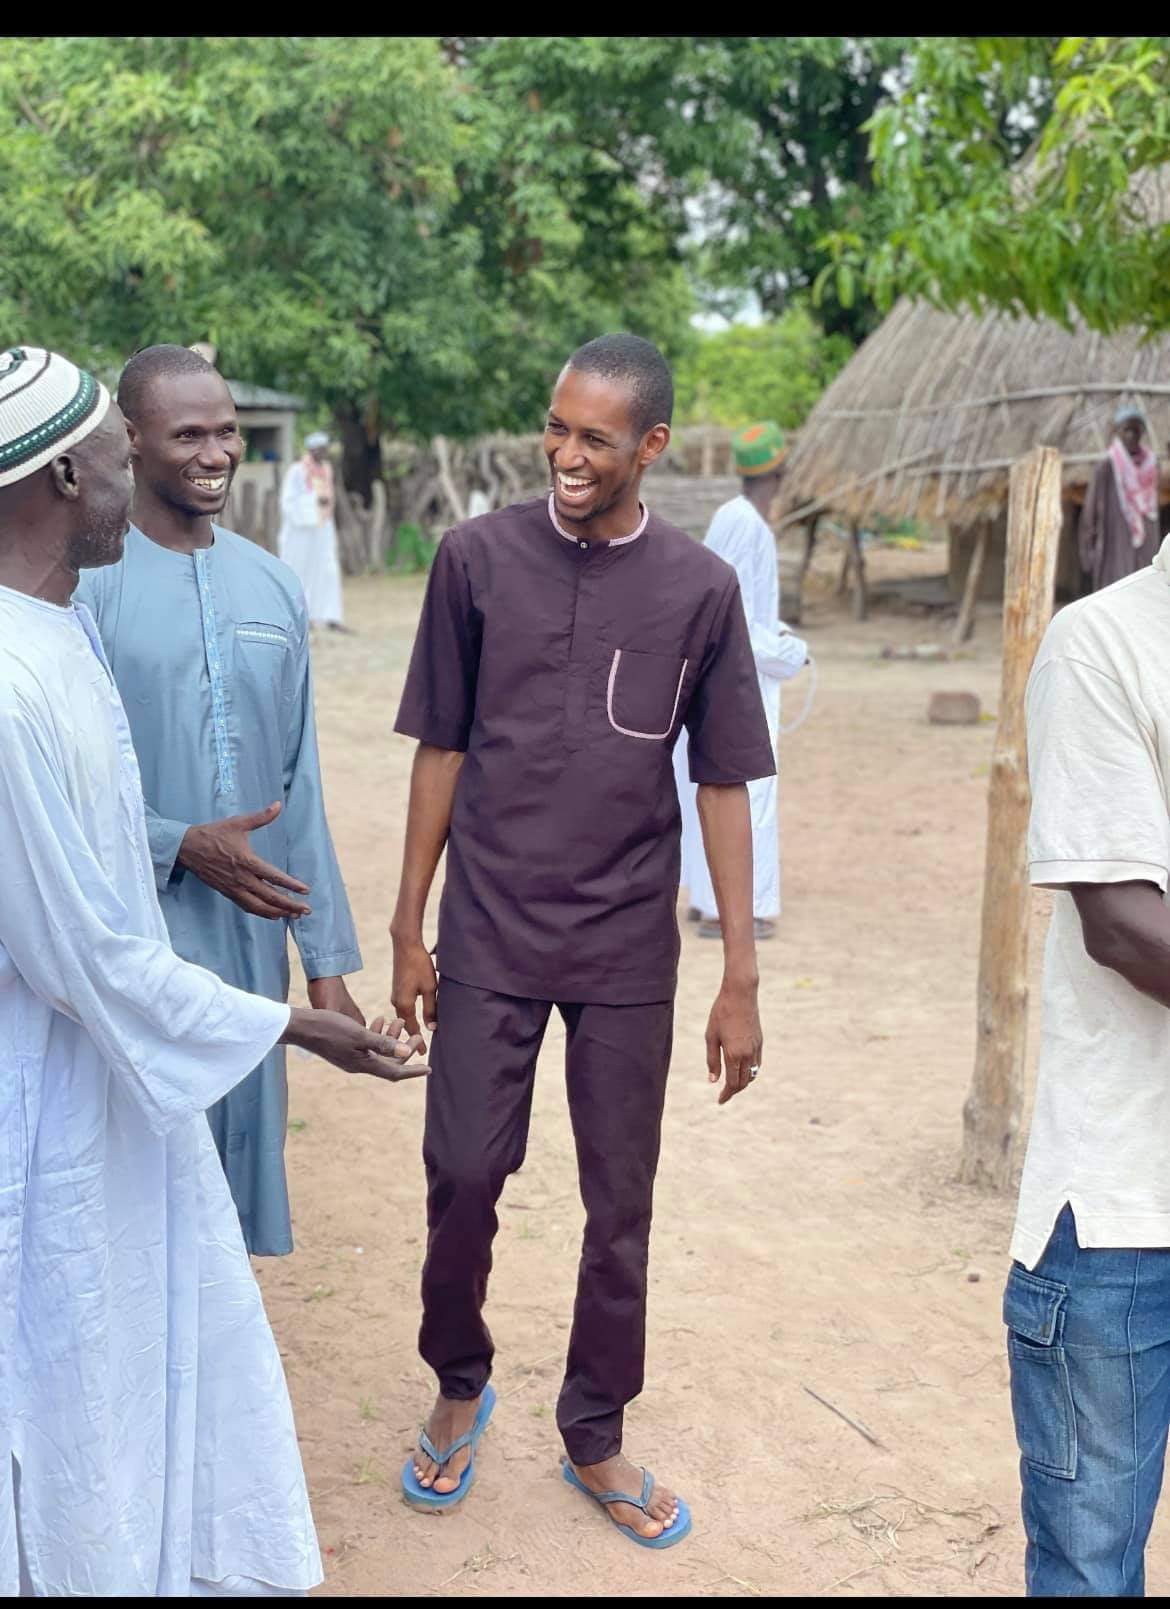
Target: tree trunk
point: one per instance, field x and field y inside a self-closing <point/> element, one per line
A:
<point x="991" y="1116"/>
<point x="361" y="449"/>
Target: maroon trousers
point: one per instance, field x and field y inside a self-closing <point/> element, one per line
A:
<point x="479" y="1099"/>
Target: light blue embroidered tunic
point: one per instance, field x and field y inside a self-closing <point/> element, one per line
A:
<point x="210" y="654"/>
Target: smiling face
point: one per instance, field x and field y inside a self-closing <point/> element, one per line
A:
<point x="595" y="455"/>
<point x="186" y="442"/>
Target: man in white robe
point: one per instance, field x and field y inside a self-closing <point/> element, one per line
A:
<point x="147" y="1445"/>
<point x="739" y="533"/>
<point x="308" y="535"/>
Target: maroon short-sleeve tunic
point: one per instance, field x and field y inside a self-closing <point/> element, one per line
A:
<point x="564" y="670"/>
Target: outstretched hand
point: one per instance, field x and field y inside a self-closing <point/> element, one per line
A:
<point x="380" y="1050"/>
<point x="734" y="1032"/>
<point x="218" y="853"/>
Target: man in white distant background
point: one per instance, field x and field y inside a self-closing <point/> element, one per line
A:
<point x="740" y="533"/>
<point x="308" y="535"/>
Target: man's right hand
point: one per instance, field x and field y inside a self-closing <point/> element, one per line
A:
<point x="340" y="1040"/>
<point x="414" y="976"/>
<point x="218" y="854"/>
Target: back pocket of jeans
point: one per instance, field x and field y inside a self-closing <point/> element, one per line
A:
<point x="1042" y="1401"/>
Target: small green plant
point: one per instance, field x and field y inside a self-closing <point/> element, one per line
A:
<point x="297" y="1125"/>
<point x="366" y="1409"/>
<point x="412" y="549"/>
<point x="368" y="1473"/>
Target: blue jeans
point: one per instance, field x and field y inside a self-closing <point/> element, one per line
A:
<point x="1089" y="1348"/>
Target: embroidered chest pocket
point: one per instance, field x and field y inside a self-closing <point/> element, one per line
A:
<point x="643" y="693"/>
<point x="258" y="631"/>
<point x="262" y="659"/>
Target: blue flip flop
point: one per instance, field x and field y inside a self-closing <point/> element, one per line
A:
<point x="425" y="1496"/>
<point x="677" y="1531"/>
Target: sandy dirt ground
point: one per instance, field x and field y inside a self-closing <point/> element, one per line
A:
<point x="808" y="1237"/>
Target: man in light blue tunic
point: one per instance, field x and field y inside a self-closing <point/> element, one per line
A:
<point x="207" y="637"/>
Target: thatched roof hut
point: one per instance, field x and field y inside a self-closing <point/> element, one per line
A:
<point x="928" y="416"/>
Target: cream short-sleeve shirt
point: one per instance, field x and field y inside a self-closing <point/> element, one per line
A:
<point x="1098" y="711"/>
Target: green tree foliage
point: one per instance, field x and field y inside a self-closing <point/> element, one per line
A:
<point x="414" y="232"/>
<point x="775" y="370"/>
<point x="754" y="149"/>
<point x="350" y="217"/>
<point x="1080" y="224"/>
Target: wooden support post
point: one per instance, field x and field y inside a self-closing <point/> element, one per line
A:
<point x="965" y="624"/>
<point x="860" y="594"/>
<point x="793" y="610"/>
<point x="991" y="1116"/>
<point x="442" y="452"/>
<point x="843" y="578"/>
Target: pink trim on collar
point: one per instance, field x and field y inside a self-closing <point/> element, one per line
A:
<point x="615" y="542"/>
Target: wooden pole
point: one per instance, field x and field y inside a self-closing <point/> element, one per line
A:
<point x="846" y="567"/>
<point x="965" y="624"/>
<point x="795" y="607"/>
<point x="860" y="589"/>
<point x="991" y="1116"/>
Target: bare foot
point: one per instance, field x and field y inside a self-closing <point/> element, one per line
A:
<point x="449" y="1420"/>
<point x="617" y="1474"/>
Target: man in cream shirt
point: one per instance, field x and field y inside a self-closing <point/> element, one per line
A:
<point x="1087" y="1303"/>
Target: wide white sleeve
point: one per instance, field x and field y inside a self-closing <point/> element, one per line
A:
<point x="1099" y="811"/>
<point x="778" y="653"/>
<point x="175" y="1036"/>
<point x="298" y="502"/>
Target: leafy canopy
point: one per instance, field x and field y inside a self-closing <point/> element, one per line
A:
<point x="775" y="370"/>
<point x="1079" y="226"/>
<point x="355" y="218"/>
<point x="752" y="149"/>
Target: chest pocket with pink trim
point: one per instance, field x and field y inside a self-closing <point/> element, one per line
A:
<point x="643" y="692"/>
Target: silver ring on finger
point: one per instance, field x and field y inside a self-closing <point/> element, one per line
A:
<point x="753" y="1072"/>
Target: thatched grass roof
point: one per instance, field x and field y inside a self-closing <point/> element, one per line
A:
<point x="930" y="412"/>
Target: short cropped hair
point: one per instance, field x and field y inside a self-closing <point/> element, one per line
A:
<point x="640" y="367"/>
<point x="150" y="364"/>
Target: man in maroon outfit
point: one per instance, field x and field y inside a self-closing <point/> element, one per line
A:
<point x="562" y="644"/>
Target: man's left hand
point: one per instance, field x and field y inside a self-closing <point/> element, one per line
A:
<point x="330" y="994"/>
<point x="733" y="1031"/>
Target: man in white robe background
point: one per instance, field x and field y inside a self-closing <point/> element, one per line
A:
<point x="147" y="1445"/>
<point x="308" y="534"/>
<point x="739" y="533"/>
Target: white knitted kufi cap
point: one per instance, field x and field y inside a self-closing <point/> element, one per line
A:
<point x="319" y="438"/>
<point x="47" y="405"/>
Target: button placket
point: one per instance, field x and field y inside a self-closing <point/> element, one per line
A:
<point x="582" y="651"/>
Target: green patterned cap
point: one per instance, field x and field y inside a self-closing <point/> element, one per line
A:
<point x="759" y="449"/>
<point x="47" y="405"/>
